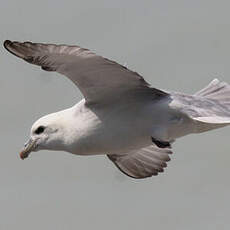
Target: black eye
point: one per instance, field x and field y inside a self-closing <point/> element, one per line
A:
<point x="40" y="129"/>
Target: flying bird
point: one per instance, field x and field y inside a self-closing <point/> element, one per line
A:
<point x="121" y="115"/>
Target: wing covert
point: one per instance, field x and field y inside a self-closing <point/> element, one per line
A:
<point x="99" y="79"/>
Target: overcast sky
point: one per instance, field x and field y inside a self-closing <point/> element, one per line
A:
<point x="174" y="45"/>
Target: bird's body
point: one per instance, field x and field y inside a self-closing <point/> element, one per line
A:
<point x="121" y="115"/>
<point x="119" y="127"/>
<point x="125" y="126"/>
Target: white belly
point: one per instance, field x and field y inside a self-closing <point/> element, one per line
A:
<point x="117" y="129"/>
<point x="123" y="128"/>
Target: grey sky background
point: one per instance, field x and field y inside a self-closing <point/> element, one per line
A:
<point x="175" y="45"/>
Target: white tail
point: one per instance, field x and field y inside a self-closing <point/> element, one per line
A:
<point x="217" y="93"/>
<point x="217" y="90"/>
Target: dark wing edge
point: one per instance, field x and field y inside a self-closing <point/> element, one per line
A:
<point x="88" y="68"/>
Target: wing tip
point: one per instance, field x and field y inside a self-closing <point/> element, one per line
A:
<point x="19" y="49"/>
<point x="12" y="48"/>
<point x="6" y="44"/>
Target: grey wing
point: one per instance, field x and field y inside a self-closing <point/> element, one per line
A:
<point x="99" y="79"/>
<point x="142" y="163"/>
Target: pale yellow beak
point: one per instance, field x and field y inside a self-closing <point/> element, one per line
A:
<point x="28" y="148"/>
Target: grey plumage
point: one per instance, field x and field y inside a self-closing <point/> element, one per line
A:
<point x="209" y="107"/>
<point x="120" y="112"/>
<point x="142" y="163"/>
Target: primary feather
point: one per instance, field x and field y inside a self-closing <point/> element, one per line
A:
<point x="121" y="114"/>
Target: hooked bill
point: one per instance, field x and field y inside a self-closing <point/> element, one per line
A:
<point x="29" y="146"/>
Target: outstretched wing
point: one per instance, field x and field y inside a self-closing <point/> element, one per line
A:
<point x="99" y="79"/>
<point x="142" y="163"/>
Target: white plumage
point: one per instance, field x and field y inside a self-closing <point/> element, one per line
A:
<point x="120" y="115"/>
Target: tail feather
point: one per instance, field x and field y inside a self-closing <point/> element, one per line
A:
<point x="208" y="109"/>
<point x="216" y="103"/>
<point x="218" y="91"/>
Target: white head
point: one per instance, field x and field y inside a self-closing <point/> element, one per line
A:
<point x="46" y="133"/>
